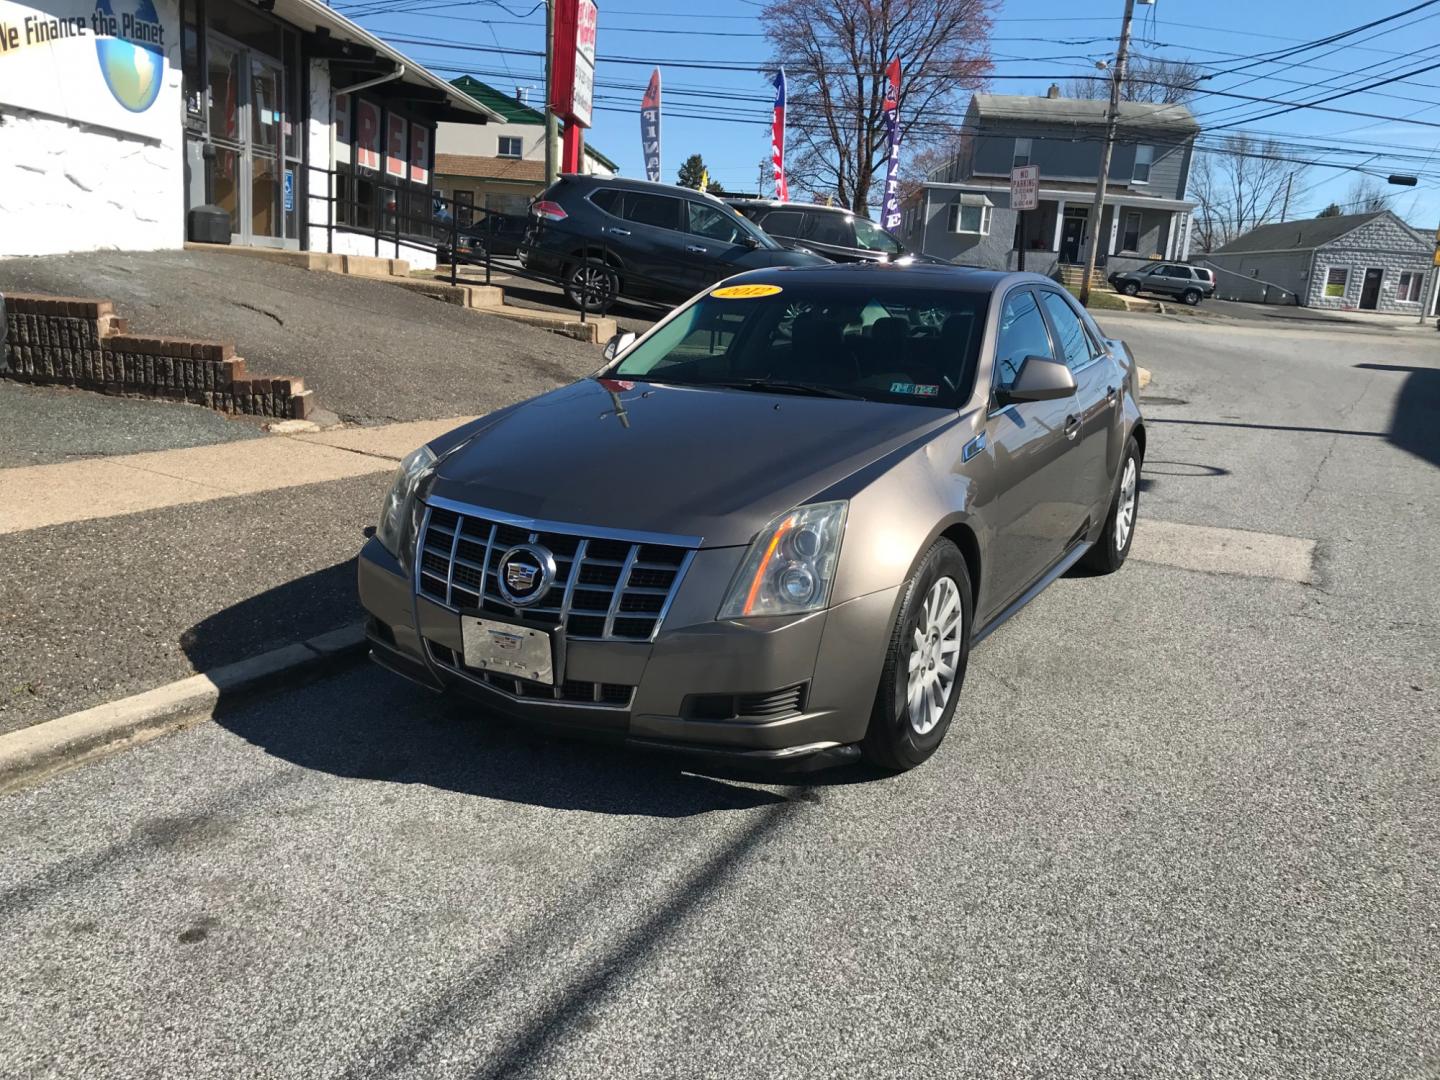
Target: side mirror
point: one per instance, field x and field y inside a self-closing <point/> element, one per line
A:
<point x="1040" y="379"/>
<point x="623" y="340"/>
<point x="750" y="242"/>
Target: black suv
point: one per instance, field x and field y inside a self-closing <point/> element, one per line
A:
<point x="833" y="231"/>
<point x="610" y="237"/>
<point x="1169" y="279"/>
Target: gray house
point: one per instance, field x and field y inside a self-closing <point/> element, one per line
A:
<point x="962" y="211"/>
<point x="1366" y="262"/>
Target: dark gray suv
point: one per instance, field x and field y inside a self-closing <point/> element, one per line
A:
<point x="607" y="237"/>
<point x="774" y="525"/>
<point x="1168" y="279"/>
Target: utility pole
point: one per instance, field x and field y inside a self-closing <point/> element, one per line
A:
<point x="1097" y="211"/>
<point x="551" y="172"/>
<point x="1285" y="209"/>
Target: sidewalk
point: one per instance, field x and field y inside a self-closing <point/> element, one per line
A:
<point x="126" y="572"/>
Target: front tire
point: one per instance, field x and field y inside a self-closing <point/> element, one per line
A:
<point x="924" y="664"/>
<point x="1109" y="552"/>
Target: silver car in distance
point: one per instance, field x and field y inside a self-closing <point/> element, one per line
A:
<point x="774" y="526"/>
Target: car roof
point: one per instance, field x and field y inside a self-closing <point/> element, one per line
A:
<point x="925" y="277"/>
<point x="782" y="204"/>
<point x="625" y="183"/>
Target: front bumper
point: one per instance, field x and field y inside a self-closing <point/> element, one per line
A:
<point x="693" y="663"/>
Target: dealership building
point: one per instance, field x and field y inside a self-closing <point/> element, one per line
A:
<point x="141" y="124"/>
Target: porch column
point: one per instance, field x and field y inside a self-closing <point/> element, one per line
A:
<point x="1115" y="211"/>
<point x="1059" y="224"/>
<point x="1185" y="245"/>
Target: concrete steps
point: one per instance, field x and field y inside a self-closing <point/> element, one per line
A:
<point x="1072" y="276"/>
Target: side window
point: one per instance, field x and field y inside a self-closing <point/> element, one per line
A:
<point x="712" y="222"/>
<point x="1022" y="333"/>
<point x="1176" y="271"/>
<point x="1069" y="331"/>
<point x="661" y="211"/>
<point x="607" y="199"/>
<point x="829" y="229"/>
<point x="782" y="223"/>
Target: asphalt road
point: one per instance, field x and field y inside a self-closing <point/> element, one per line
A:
<point x="1186" y="825"/>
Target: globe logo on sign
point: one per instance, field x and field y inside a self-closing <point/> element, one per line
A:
<point x="132" y="58"/>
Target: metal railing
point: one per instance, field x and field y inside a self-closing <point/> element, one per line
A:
<point x="384" y="218"/>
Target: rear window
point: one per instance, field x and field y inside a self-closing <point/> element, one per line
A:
<point x="607" y="199"/>
<point x="782" y="223"/>
<point x="885" y="344"/>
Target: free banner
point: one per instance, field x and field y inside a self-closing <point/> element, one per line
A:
<point x="101" y="62"/>
<point x="650" y="127"/>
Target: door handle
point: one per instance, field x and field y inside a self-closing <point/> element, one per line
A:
<point x="1110" y="394"/>
<point x="1072" y="426"/>
<point x="620" y="232"/>
<point x="696" y="249"/>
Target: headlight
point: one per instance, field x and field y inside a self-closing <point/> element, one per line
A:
<point x="790" y="567"/>
<point x="397" y="527"/>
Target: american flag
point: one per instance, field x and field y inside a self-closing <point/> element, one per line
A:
<point x="777" y="139"/>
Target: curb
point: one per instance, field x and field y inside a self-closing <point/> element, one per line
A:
<point x="52" y="746"/>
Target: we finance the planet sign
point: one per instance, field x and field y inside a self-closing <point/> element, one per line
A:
<point x="108" y="63"/>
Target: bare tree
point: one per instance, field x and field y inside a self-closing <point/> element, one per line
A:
<point x="1151" y="79"/>
<point x="1239" y="186"/>
<point x="1366" y="195"/>
<point x="835" y="53"/>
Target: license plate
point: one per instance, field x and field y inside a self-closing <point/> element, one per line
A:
<point x="508" y="649"/>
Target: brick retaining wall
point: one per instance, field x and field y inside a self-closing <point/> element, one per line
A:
<point x="66" y="341"/>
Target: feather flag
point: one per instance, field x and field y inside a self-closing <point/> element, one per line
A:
<point x="650" y="127"/>
<point x="890" y="216"/>
<point x="777" y="139"/>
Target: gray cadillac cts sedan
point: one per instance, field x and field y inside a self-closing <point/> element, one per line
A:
<point x="774" y="525"/>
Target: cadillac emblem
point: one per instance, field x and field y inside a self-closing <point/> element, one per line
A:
<point x="525" y="574"/>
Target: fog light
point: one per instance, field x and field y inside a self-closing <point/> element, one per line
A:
<point x="797" y="583"/>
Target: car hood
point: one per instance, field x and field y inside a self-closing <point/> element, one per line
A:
<point x="646" y="457"/>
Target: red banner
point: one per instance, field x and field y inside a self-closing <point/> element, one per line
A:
<point x="777" y="139"/>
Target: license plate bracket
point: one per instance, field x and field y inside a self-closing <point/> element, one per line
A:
<point x="508" y="648"/>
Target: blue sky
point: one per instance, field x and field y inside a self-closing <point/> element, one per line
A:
<point x="1032" y="41"/>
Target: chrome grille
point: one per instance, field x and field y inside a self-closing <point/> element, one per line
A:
<point x="605" y="589"/>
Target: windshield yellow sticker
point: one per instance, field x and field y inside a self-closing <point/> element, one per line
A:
<point x="745" y="292"/>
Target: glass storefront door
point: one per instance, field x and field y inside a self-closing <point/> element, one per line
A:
<point x="247" y="123"/>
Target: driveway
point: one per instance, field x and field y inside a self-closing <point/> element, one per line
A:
<point x="1185" y="825"/>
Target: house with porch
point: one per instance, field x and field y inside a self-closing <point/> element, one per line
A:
<point x="962" y="211"/>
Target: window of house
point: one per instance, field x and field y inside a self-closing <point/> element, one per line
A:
<point x="1411" y="282"/>
<point x="1336" y="278"/>
<point x="509" y="146"/>
<point x="1144" y="158"/>
<point x="1022" y="152"/>
<point x="970" y="218"/>
<point x="1130" y="241"/>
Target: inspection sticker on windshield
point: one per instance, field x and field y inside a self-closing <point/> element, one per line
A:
<point x="917" y="389"/>
<point x="745" y="292"/>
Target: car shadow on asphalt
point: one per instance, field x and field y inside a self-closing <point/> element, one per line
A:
<point x="363" y="722"/>
<point x="1412" y="426"/>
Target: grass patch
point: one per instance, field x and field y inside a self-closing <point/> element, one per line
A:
<point x="1101" y="300"/>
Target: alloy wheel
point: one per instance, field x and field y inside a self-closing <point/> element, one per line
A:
<point x="934" y="655"/>
<point x="1125" y="514"/>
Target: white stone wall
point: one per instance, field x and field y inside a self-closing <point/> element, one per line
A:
<point x="1386" y="243"/>
<point x="72" y="187"/>
<point x="318" y="150"/>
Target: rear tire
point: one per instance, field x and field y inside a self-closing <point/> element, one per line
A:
<point x="916" y="701"/>
<point x="1109" y="552"/>
<point x="1190" y="296"/>
<point x="592" y="287"/>
<point x="1131" y="289"/>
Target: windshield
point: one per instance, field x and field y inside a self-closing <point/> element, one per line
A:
<point x="871" y="237"/>
<point x="916" y="347"/>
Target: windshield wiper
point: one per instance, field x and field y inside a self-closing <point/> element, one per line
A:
<point x="785" y="387"/>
